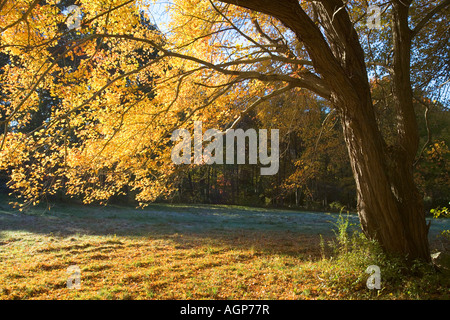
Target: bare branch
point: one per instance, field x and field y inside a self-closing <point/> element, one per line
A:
<point x="258" y="102"/>
<point x="427" y="123"/>
<point x="322" y="127"/>
<point x="333" y="71"/>
<point x="237" y="29"/>
<point x="381" y="64"/>
<point x="422" y="23"/>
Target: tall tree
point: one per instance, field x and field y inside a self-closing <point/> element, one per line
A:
<point x="217" y="62"/>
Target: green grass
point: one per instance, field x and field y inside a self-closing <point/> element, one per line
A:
<point x="200" y="252"/>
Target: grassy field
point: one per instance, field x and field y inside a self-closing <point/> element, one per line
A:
<point x="200" y="252"/>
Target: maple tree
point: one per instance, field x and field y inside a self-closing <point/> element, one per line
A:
<point x="218" y="61"/>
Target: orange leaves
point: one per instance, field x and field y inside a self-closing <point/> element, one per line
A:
<point x="108" y="94"/>
<point x="99" y="119"/>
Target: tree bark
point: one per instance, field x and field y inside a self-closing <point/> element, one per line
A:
<point x="389" y="207"/>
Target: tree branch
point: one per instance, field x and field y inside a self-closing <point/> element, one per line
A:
<point x="22" y="18"/>
<point x="332" y="71"/>
<point x="427" y="123"/>
<point x="96" y="94"/>
<point x="258" y="102"/>
<point x="428" y="17"/>
<point x="381" y="64"/>
<point x="308" y="80"/>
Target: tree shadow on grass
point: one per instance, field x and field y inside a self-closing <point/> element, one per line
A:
<point x="264" y="230"/>
<point x="206" y="226"/>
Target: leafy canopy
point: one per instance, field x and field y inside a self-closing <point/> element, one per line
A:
<point x="116" y="87"/>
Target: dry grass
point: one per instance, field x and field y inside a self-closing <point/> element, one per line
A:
<point x="152" y="261"/>
<point x="238" y="266"/>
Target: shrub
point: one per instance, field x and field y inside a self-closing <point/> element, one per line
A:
<point x="443" y="212"/>
<point x="351" y="254"/>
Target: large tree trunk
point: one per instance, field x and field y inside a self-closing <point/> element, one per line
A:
<point x="389" y="206"/>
